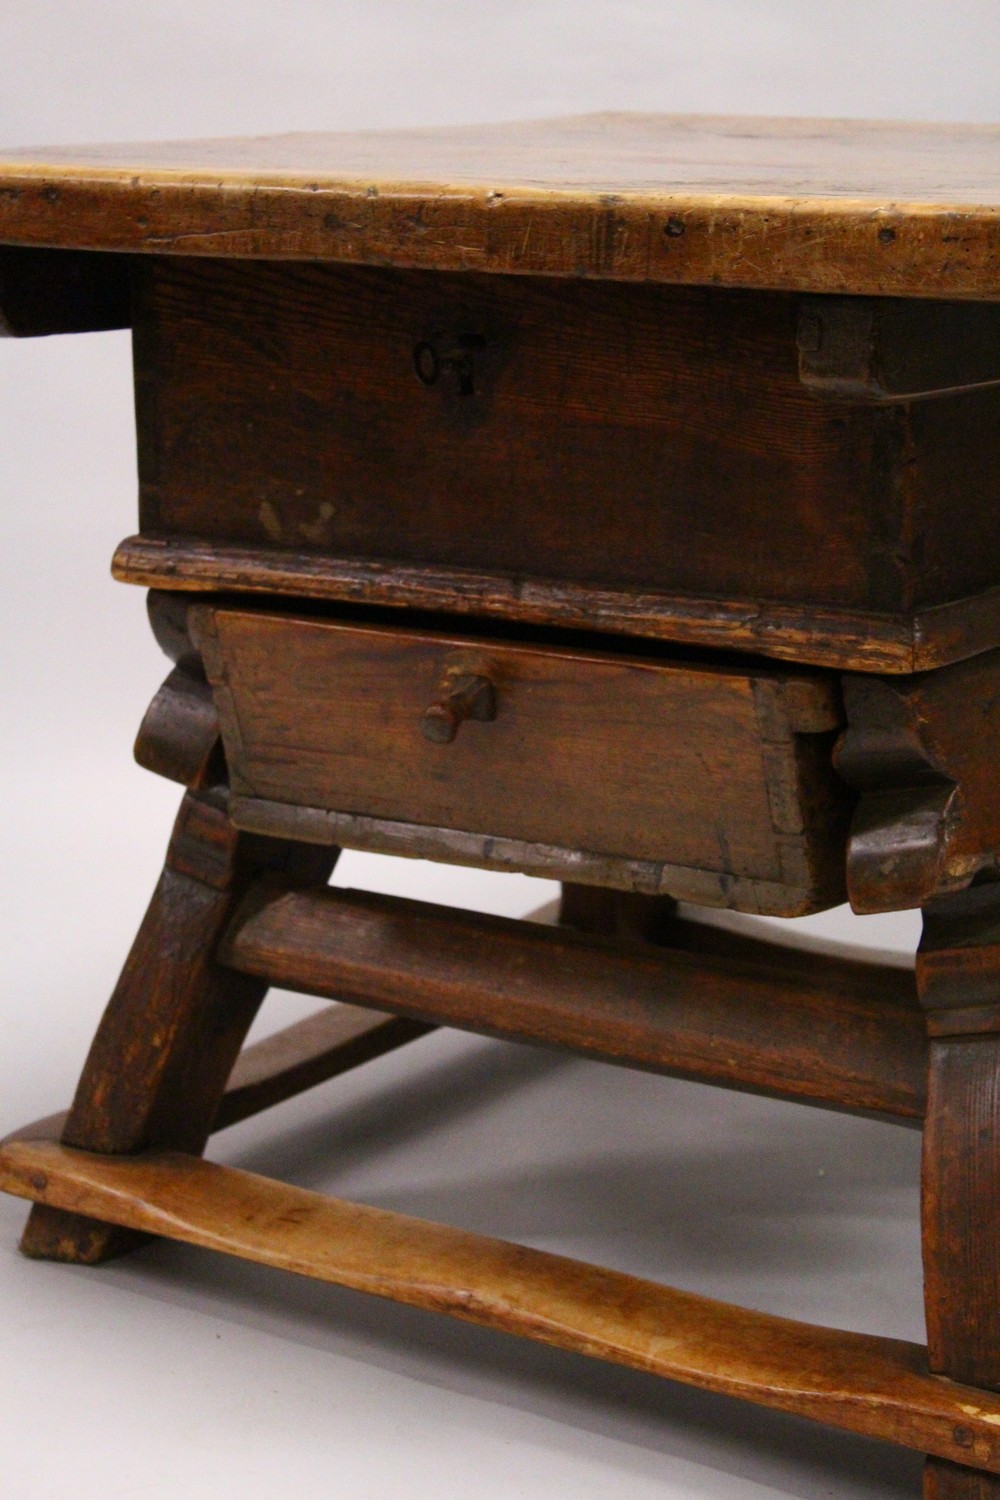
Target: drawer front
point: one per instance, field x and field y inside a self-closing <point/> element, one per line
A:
<point x="710" y="784"/>
<point x="629" y="436"/>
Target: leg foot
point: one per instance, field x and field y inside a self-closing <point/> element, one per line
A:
<point x="176" y="1021"/>
<point x="52" y="1234"/>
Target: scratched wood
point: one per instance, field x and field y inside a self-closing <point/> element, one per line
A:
<point x="918" y="750"/>
<point x="825" y="1031"/>
<point x="851" y="639"/>
<point x="877" y="1386"/>
<point x="725" y="771"/>
<point x="288" y="1062"/>
<point x="176" y="1021"/>
<point x="958" y="980"/>
<point x="638" y="438"/>
<point x="817" y="205"/>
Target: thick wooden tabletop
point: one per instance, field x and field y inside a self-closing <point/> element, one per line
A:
<point x="813" y="205"/>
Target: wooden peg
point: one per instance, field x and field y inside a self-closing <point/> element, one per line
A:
<point x="465" y="695"/>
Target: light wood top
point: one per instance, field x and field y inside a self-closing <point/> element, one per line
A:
<point x="818" y="205"/>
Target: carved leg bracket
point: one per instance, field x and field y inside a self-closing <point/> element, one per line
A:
<point x="928" y="815"/>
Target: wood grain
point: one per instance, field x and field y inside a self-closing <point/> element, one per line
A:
<point x="176" y="1021"/>
<point x="179" y="734"/>
<point x="892" y="349"/>
<point x="852" y="640"/>
<point x="958" y="978"/>
<point x="640" y="438"/>
<point x="818" y="205"/>
<point x="284" y="820"/>
<point x="724" y="771"/>
<point x="962" y="1209"/>
<point x="175" y="1024"/>
<point x="958" y="961"/>
<point x="919" y="752"/>
<point x="286" y="1063"/>
<point x="876" y="1386"/>
<point x="825" y="1031"/>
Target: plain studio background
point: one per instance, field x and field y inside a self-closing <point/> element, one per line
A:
<point x="174" y="1373"/>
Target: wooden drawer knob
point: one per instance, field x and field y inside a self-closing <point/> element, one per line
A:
<point x="465" y="696"/>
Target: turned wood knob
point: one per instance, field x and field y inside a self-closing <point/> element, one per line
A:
<point x="468" y="695"/>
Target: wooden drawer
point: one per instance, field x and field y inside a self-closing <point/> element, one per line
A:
<point x="706" y="782"/>
<point x="612" y="436"/>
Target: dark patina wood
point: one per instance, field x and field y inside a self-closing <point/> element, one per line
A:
<point x="826" y="1031"/>
<point x="958" y="975"/>
<point x="176" y="1022"/>
<point x="61" y="291"/>
<point x="597" y="433"/>
<point x="179" y="735"/>
<point x="715" y="784"/>
<point x="895" y="349"/>
<point x="854" y="640"/>
<point x="299" y="1057"/>
<point x="638" y="407"/>
<point x="918" y="751"/>
<point x="947" y="1481"/>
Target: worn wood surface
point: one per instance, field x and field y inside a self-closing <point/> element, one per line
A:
<point x="176" y="1022"/>
<point x="632" y="438"/>
<point x="920" y="751"/>
<point x="875" y="1386"/>
<point x="853" y="640"/>
<point x="962" y="1209"/>
<point x="893" y="349"/>
<point x="175" y="1025"/>
<point x="958" y="978"/>
<point x="826" y="1031"/>
<point x="818" y="205"/>
<point x="718" y="457"/>
<point x="493" y="852"/>
<point x="958" y="962"/>
<point x="168" y="620"/>
<point x="179" y="734"/>
<point x="299" y="1057"/>
<point x="725" y="771"/>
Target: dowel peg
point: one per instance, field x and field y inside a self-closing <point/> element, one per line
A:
<point x="469" y="695"/>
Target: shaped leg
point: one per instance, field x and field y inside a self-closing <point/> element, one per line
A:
<point x="176" y="1021"/>
<point x="958" y="973"/>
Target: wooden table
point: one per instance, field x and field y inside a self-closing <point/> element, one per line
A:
<point x="615" y="499"/>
